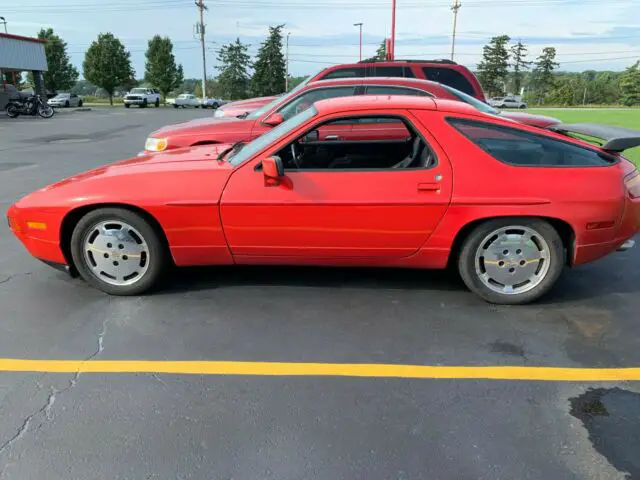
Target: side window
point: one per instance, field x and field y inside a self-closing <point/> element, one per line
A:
<point x="520" y="148"/>
<point x="308" y="98"/>
<point x="351" y="150"/>
<point x="383" y="71"/>
<point x="408" y="73"/>
<point x="450" y="77"/>
<point x="353" y="72"/>
<point x="390" y="90"/>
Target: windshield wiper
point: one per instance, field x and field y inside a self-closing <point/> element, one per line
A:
<point x="232" y="148"/>
<point x="242" y="115"/>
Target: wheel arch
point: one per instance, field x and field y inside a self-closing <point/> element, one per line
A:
<point x="72" y="218"/>
<point x="564" y="229"/>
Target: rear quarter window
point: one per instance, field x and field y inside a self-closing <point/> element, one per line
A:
<point x="516" y="147"/>
<point x="450" y="77"/>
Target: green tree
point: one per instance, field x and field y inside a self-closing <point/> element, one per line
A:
<point x="234" y="79"/>
<point x="295" y="81"/>
<point x="161" y="70"/>
<point x="270" y="67"/>
<point x="108" y="65"/>
<point x="61" y="74"/>
<point x="630" y="85"/>
<point x="518" y="54"/>
<point x="213" y="90"/>
<point x="494" y="67"/>
<point x="381" y="53"/>
<point x="543" y="72"/>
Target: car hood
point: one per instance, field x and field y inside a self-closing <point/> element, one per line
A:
<point x="163" y="174"/>
<point x="530" y="119"/>
<point x="204" y="125"/>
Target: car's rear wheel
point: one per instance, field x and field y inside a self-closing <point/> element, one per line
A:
<point x="511" y="261"/>
<point x="126" y="105"/>
<point x="118" y="251"/>
<point x="79" y="103"/>
<point x="66" y="104"/>
<point x="157" y="103"/>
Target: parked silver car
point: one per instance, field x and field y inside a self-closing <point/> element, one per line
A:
<point x="66" y="100"/>
<point x="507" y="102"/>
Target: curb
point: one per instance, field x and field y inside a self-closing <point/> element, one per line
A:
<point x="72" y="110"/>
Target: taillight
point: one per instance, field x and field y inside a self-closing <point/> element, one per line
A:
<point x="632" y="182"/>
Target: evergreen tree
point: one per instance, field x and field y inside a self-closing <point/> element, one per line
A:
<point x="108" y="65"/>
<point x="381" y="53"/>
<point x="161" y="70"/>
<point x="494" y="67"/>
<point x="518" y="54"/>
<point x="270" y="67"/>
<point x="233" y="80"/>
<point x="61" y="74"/>
<point x="543" y="71"/>
<point x="630" y="85"/>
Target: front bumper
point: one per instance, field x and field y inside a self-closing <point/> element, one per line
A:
<point x="39" y="233"/>
<point x="134" y="101"/>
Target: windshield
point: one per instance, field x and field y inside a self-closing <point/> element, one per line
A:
<point x="139" y="90"/>
<point x="63" y="95"/>
<point x="474" y="102"/>
<point x="253" y="147"/>
<point x="265" y="108"/>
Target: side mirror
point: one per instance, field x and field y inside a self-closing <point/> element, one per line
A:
<point x="274" y="119"/>
<point x="312" y="136"/>
<point x="273" y="170"/>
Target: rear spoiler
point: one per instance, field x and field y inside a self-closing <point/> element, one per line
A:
<point x="617" y="139"/>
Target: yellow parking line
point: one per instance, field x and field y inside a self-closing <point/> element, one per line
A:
<point x="322" y="369"/>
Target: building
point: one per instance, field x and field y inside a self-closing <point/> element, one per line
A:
<point x="19" y="54"/>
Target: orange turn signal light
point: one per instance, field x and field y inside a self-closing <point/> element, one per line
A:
<point x="37" y="225"/>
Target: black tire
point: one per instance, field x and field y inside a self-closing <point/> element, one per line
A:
<point x="215" y="106"/>
<point x="157" y="103"/>
<point x="46" y="111"/>
<point x="126" y="105"/>
<point x="159" y="258"/>
<point x="144" y="104"/>
<point x="66" y="104"/>
<point x="175" y="105"/>
<point x="79" y="103"/>
<point x="12" y="111"/>
<point x="467" y="267"/>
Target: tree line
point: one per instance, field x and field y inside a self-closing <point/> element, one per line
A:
<point x="505" y="69"/>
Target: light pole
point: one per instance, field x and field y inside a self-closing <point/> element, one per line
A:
<point x="359" y="25"/>
<point x="5" y="23"/>
<point x="286" y="76"/>
<point x="455" y="6"/>
<point x="392" y="43"/>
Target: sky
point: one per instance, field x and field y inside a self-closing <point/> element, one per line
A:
<point x="588" y="34"/>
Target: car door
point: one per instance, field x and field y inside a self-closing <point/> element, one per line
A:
<point x="318" y="215"/>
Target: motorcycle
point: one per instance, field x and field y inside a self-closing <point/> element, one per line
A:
<point x="32" y="105"/>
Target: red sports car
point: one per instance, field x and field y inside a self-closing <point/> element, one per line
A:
<point x="249" y="126"/>
<point x="508" y="204"/>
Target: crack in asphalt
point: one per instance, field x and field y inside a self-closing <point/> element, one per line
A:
<point x="46" y="409"/>
<point x="11" y="277"/>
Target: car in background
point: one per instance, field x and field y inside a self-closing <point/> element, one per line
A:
<point x="442" y="71"/>
<point x="142" y="97"/>
<point x="507" y="102"/>
<point x="241" y="107"/>
<point x="214" y="103"/>
<point x="65" y="100"/>
<point x="510" y="206"/>
<point x="248" y="126"/>
<point x="184" y="100"/>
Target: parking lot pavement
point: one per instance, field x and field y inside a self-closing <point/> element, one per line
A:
<point x="307" y="421"/>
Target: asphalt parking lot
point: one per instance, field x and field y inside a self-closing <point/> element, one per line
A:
<point x="292" y="423"/>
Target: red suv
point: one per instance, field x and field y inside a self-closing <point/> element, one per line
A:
<point x="446" y="72"/>
<point x="249" y="126"/>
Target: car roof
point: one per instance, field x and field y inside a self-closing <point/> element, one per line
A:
<point x="393" y="102"/>
<point x="395" y="81"/>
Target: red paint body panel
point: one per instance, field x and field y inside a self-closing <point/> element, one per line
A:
<point x="230" y="129"/>
<point x="215" y="213"/>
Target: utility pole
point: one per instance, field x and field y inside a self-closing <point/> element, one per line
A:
<point x="286" y="76"/>
<point x="3" y="20"/>
<point x="392" y="42"/>
<point x="200" y="28"/>
<point x="455" y="6"/>
<point x="359" y="25"/>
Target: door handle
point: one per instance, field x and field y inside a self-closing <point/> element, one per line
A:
<point x="332" y="137"/>
<point x="428" y="187"/>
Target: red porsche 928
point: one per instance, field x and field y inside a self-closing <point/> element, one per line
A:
<point x="507" y="204"/>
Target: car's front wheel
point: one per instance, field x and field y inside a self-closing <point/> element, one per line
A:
<point x="118" y="251"/>
<point x="511" y="261"/>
